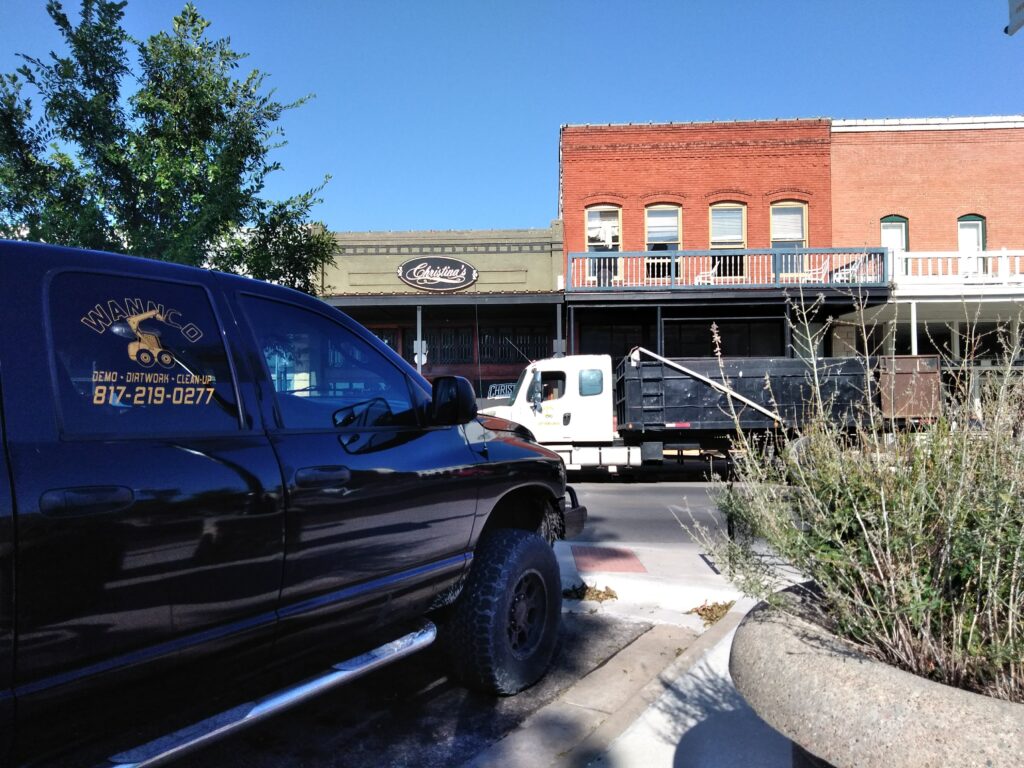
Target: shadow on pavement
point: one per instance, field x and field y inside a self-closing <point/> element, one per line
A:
<point x="411" y="714"/>
<point x="699" y="721"/>
<point x="723" y="731"/>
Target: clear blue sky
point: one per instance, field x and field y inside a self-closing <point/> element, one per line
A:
<point x="444" y="114"/>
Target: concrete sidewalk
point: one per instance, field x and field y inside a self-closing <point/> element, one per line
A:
<point x="698" y="720"/>
<point x="664" y="700"/>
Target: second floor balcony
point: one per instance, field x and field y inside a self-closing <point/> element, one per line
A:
<point x="732" y="269"/>
<point x="952" y="273"/>
<point x="909" y="273"/>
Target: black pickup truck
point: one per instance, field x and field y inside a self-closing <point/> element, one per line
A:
<point x="219" y="497"/>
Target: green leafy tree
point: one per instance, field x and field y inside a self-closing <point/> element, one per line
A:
<point x="173" y="171"/>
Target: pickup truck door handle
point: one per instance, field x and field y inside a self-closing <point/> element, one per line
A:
<point x="565" y="419"/>
<point x="317" y="477"/>
<point x="88" y="500"/>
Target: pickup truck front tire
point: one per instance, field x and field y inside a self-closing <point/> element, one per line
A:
<point x="503" y="628"/>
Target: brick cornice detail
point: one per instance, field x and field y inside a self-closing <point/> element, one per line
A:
<point x="595" y="198"/>
<point x="702" y="146"/>
<point x="727" y="194"/>
<point x="781" y="192"/>
<point x="653" y="198"/>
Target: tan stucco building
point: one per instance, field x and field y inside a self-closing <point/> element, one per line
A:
<point x="485" y="301"/>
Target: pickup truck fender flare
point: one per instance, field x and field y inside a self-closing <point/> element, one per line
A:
<point x="532" y="507"/>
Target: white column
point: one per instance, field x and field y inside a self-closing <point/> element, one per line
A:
<point x="913" y="327"/>
<point x="954" y="340"/>
<point x="418" y="346"/>
<point x="890" y="338"/>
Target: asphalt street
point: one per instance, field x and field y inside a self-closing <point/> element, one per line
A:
<point x="411" y="714"/>
<point x="645" y="513"/>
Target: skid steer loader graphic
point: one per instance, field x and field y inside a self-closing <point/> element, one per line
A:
<point x="146" y="348"/>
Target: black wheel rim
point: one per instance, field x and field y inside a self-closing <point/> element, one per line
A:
<point x="527" y="614"/>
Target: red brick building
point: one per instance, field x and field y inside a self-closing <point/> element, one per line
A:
<point x="670" y="228"/>
<point x="743" y="211"/>
<point x="695" y="166"/>
<point x="946" y="197"/>
<point x="932" y="173"/>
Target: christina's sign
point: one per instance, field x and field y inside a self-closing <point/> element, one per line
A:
<point x="437" y="273"/>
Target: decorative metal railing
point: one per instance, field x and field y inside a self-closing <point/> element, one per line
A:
<point x="748" y="268"/>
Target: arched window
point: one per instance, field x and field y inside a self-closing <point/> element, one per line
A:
<point x="664" y="227"/>
<point x="970" y="233"/>
<point x="604" y="228"/>
<point x="789" y="224"/>
<point x="728" y="231"/>
<point x="895" y="233"/>
<point x="604" y="225"/>
<point x="728" y="225"/>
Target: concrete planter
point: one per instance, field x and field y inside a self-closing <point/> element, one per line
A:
<point x="847" y="710"/>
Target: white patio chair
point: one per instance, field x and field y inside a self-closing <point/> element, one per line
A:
<point x="817" y="275"/>
<point x="850" y="272"/>
<point x="708" y="277"/>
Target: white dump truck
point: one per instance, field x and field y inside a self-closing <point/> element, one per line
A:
<point x="650" y="409"/>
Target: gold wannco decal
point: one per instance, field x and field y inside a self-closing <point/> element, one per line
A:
<point x="130" y="388"/>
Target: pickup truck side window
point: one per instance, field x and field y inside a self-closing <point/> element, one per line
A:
<point x="138" y="357"/>
<point x="325" y="376"/>
<point x="591" y="382"/>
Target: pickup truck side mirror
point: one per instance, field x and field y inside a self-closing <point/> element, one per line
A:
<point x="454" y="401"/>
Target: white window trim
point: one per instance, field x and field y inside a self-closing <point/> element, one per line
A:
<point x="976" y="224"/>
<point x="597" y="265"/>
<point x="903" y="229"/>
<point x="586" y="224"/>
<point x="727" y="246"/>
<point x="664" y="207"/>
<point x="788" y="204"/>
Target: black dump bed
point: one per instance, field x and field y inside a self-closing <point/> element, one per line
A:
<point x="656" y="399"/>
<point x="689" y="401"/>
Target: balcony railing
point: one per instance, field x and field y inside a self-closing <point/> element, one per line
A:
<point x="701" y="270"/>
<point x="954" y="270"/>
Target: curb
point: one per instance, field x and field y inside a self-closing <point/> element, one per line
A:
<point x="583" y="721"/>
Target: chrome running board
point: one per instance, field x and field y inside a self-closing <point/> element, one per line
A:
<point x="172" y="746"/>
